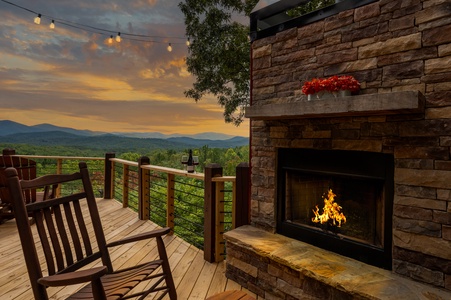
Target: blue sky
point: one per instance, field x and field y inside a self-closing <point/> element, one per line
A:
<point x="73" y="77"/>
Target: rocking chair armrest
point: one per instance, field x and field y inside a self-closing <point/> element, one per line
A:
<point x="142" y="236"/>
<point x="73" y="277"/>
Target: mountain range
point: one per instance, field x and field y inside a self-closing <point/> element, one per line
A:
<point x="47" y="134"/>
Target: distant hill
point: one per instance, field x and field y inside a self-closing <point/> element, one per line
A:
<point x="9" y="127"/>
<point x="158" y="135"/>
<point x="50" y="135"/>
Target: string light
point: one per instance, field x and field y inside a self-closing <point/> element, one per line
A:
<point x="37" y="20"/>
<point x="87" y="28"/>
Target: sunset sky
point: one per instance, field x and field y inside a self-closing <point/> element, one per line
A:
<point x="71" y="76"/>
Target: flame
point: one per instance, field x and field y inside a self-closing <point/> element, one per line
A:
<point x="331" y="211"/>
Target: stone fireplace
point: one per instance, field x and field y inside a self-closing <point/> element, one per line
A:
<point x="384" y="152"/>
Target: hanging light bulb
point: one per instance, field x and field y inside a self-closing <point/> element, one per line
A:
<point x="118" y="37"/>
<point x="169" y="47"/>
<point x="37" y="20"/>
<point x="188" y="42"/>
<point x="52" y="25"/>
<point x="110" y="40"/>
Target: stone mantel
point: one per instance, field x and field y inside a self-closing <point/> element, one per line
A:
<point x="404" y="102"/>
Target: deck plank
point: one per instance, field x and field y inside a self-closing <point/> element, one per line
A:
<point x="192" y="274"/>
<point x="194" y="278"/>
<point x="218" y="280"/>
<point x="203" y="282"/>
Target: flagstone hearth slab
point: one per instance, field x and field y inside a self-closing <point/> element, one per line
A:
<point x="404" y="102"/>
<point x="327" y="268"/>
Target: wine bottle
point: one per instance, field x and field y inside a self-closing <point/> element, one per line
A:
<point x="190" y="163"/>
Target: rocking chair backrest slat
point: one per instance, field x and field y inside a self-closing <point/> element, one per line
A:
<point x="53" y="235"/>
<point x="95" y="216"/>
<point x="73" y="231"/>
<point x="63" y="235"/>
<point x="39" y="219"/>
<point x="82" y="227"/>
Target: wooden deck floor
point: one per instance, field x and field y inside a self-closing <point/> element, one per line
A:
<point x="194" y="277"/>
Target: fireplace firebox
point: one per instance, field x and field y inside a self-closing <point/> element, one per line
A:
<point x="341" y="201"/>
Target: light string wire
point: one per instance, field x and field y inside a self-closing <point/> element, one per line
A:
<point x="108" y="33"/>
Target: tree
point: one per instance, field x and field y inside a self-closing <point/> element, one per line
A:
<point x="219" y="54"/>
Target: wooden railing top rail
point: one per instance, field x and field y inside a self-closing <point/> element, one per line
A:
<point x="60" y="157"/>
<point x="124" y="162"/>
<point x="178" y="172"/>
<point x="224" y="179"/>
<point x="196" y="175"/>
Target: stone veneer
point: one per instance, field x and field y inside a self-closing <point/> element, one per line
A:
<point x="389" y="46"/>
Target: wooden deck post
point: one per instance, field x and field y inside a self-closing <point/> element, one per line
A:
<point x="125" y="185"/>
<point x="143" y="189"/>
<point x="109" y="176"/>
<point x="170" y="213"/>
<point x="219" y="222"/>
<point x="211" y="170"/>
<point x="241" y="207"/>
<point x="59" y="170"/>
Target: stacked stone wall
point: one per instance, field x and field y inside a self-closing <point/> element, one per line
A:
<point x="389" y="46"/>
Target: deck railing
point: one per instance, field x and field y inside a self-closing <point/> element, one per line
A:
<point x="198" y="207"/>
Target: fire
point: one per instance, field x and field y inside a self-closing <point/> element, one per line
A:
<point x="331" y="211"/>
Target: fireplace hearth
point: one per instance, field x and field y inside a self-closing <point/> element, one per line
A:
<point x="362" y="183"/>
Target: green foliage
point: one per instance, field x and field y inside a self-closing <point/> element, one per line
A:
<point x="219" y="53"/>
<point x="29" y="149"/>
<point x="227" y="158"/>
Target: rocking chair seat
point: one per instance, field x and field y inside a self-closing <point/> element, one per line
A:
<point x="127" y="279"/>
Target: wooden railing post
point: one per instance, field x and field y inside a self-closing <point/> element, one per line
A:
<point x="108" y="185"/>
<point x="170" y="202"/>
<point x="211" y="170"/>
<point x="143" y="189"/>
<point x="219" y="222"/>
<point x="59" y="166"/>
<point x="125" y="185"/>
<point x="59" y="170"/>
<point x="241" y="206"/>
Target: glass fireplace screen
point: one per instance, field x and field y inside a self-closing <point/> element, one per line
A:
<point x="347" y="207"/>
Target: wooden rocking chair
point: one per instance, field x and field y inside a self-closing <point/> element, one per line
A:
<point x="68" y="248"/>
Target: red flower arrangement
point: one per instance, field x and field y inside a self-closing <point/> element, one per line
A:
<point x="331" y="84"/>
